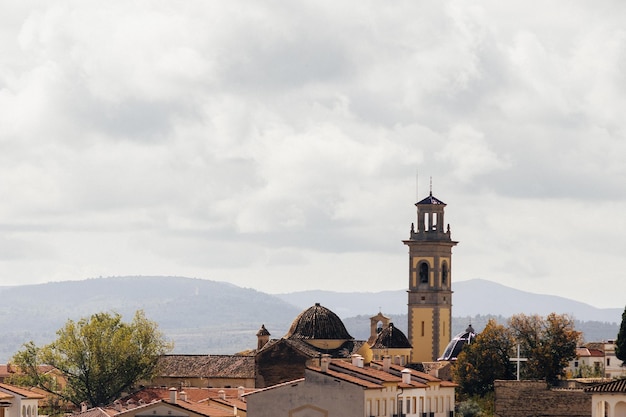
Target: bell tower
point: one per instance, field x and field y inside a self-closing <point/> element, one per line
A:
<point x="430" y="281"/>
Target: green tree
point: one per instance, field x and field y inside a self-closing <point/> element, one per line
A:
<point x="549" y="344"/>
<point x="100" y="357"/>
<point x="620" y="343"/>
<point x="484" y="360"/>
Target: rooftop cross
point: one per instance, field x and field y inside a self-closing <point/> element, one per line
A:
<point x="518" y="360"/>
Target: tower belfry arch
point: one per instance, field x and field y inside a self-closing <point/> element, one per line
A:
<point x="430" y="281"/>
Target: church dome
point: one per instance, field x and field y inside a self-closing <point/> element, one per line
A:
<point x="456" y="344"/>
<point x="318" y="323"/>
<point x="391" y="338"/>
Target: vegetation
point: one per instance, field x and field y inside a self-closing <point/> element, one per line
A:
<point x="98" y="358"/>
<point x="620" y="343"/>
<point x="477" y="406"/>
<point x="486" y="359"/>
<point x="548" y="344"/>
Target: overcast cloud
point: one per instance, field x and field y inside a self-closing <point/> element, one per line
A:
<point x="275" y="145"/>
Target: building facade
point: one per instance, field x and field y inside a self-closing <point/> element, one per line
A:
<point x="18" y="401"/>
<point x="340" y="388"/>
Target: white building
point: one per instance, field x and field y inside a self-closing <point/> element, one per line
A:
<point x="608" y="399"/>
<point x="597" y="359"/>
<point x="18" y="402"/>
<point x="341" y="388"/>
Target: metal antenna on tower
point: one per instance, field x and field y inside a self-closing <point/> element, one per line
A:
<point x="431" y="186"/>
<point x="417" y="195"/>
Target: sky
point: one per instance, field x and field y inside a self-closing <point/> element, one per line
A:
<point x="281" y="146"/>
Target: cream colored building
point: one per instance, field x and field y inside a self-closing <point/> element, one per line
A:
<point x="18" y="401"/>
<point x="608" y="399"/>
<point x="340" y="388"/>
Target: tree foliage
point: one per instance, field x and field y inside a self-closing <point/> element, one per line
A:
<point x="99" y="357"/>
<point x="483" y="361"/>
<point x="620" y="343"/>
<point x="548" y="344"/>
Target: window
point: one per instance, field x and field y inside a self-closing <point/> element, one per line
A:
<point x="423" y="273"/>
<point x="423" y="329"/>
<point x="444" y="274"/>
<point x="608" y="361"/>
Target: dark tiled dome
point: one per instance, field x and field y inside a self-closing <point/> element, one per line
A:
<point x="456" y="344"/>
<point x="318" y="322"/>
<point x="391" y="338"/>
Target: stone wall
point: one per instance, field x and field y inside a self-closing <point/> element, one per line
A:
<point x="535" y="399"/>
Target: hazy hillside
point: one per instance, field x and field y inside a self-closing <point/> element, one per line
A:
<point x="200" y="316"/>
<point x="473" y="297"/>
<point x="203" y="316"/>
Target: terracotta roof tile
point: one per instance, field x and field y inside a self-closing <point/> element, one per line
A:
<point x="150" y="394"/>
<point x="186" y="366"/>
<point x="349" y="378"/>
<point x="613" y="386"/>
<point x="21" y="391"/>
<point x="367" y="371"/>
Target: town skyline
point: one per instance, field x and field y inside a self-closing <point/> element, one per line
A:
<point x="240" y="143"/>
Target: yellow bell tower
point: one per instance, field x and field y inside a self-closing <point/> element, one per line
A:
<point x="430" y="279"/>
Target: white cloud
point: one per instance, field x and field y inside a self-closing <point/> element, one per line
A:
<point x="251" y="142"/>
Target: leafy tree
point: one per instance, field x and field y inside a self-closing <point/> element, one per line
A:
<point x="549" y="344"/>
<point x="620" y="343"/>
<point x="469" y="408"/>
<point x="100" y="357"/>
<point x="588" y="371"/>
<point x="484" y="360"/>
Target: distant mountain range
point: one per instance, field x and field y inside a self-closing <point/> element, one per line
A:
<point x="203" y="316"/>
<point x="470" y="298"/>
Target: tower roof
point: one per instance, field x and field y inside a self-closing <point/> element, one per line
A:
<point x="430" y="200"/>
<point x="263" y="331"/>
<point x="391" y="338"/>
<point x="318" y="322"/>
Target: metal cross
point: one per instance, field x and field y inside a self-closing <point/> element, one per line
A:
<point x="518" y="360"/>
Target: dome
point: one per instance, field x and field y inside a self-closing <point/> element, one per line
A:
<point x="391" y="338"/>
<point x="456" y="344"/>
<point x="318" y="322"/>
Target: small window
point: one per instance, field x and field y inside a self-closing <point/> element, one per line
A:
<point x="423" y="273"/>
<point x="444" y="274"/>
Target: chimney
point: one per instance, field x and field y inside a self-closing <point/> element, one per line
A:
<point x="83" y="407"/>
<point x="324" y="362"/>
<point x="240" y="392"/>
<point x="406" y="376"/>
<point x="386" y="363"/>
<point x="173" y="395"/>
<point x="222" y="394"/>
<point x="183" y="396"/>
<point x="357" y="360"/>
<point x="117" y="404"/>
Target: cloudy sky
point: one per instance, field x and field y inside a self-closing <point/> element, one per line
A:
<point x="281" y="145"/>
